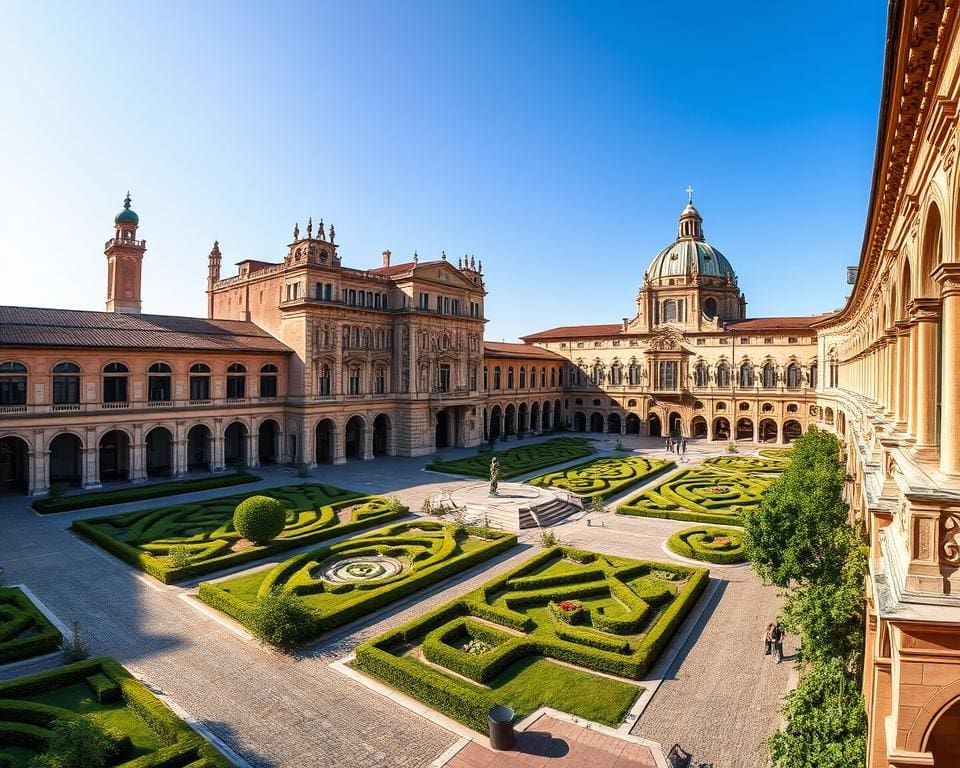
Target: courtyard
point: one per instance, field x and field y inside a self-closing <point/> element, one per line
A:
<point x="712" y="691"/>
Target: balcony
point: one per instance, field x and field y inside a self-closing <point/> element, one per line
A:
<point x="64" y="409"/>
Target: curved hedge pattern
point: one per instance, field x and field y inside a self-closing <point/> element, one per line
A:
<point x="429" y="550"/>
<point x="630" y="614"/>
<point x="701" y="496"/>
<point x="742" y="463"/>
<point x="518" y="461"/>
<point x="603" y="477"/>
<point x="25" y="718"/>
<point x="24" y="630"/>
<point x="204" y="529"/>
<point x="722" y="546"/>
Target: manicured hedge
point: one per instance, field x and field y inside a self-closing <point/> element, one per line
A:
<point x="605" y="477"/>
<point x="740" y="463"/>
<point x="24" y="630"/>
<point x="650" y="611"/>
<point x="204" y="529"/>
<point x="722" y="546"/>
<point x="27" y="722"/>
<point x="519" y="460"/>
<point x="141" y="492"/>
<point x="433" y="551"/>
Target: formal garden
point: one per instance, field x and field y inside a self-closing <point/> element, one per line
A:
<point x="321" y="589"/>
<point x="603" y="478"/>
<point x="94" y="713"/>
<point x="500" y="644"/>
<point x="182" y="541"/>
<point x="744" y="463"/>
<point x="519" y="460"/>
<point x="24" y="630"/>
<point x="721" y="546"/>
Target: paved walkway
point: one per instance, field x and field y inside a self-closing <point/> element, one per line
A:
<point x="278" y="710"/>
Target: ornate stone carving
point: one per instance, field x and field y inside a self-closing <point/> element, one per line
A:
<point x="951" y="539"/>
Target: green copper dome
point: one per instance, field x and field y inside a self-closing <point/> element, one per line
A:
<point x="690" y="254"/>
<point x="127" y="215"/>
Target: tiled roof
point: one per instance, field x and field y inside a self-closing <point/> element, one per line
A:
<point x="36" y="327"/>
<point x="504" y="349"/>
<point x="775" y="323"/>
<point x="575" y="332"/>
<point x="399" y="269"/>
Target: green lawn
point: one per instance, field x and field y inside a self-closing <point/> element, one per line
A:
<point x="24" y="631"/>
<point x="603" y="477"/>
<point x="204" y="529"/>
<point x="520" y="460"/>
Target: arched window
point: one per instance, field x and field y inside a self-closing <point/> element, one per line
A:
<point x="598" y="373"/>
<point x="767" y="408"/>
<point x="355" y="337"/>
<point x="616" y="374"/>
<point x="268" y="380"/>
<point x="159" y="389"/>
<point x="236" y="381"/>
<point x="66" y="384"/>
<point x="710" y="307"/>
<point x="634" y="374"/>
<point x="720" y="407"/>
<point x="323" y="381"/>
<point x="723" y="375"/>
<point x="496" y="377"/>
<point x="701" y="377"/>
<point x="794" y="376"/>
<point x="354" y="382"/>
<point x="199" y="382"/>
<point x="746" y="375"/>
<point x="768" y="375"/>
<point x="115" y="383"/>
<point x="669" y="311"/>
<point x="523" y="377"/>
<point x="510" y="377"/>
<point x="13" y="383"/>
<point x="380" y="381"/>
<point x="813" y="375"/>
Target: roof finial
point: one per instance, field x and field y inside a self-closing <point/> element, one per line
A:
<point x="416" y="258"/>
<point x="689" y="195"/>
<point x="444" y="255"/>
<point x="126" y="200"/>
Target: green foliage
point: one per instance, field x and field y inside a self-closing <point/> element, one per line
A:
<point x="61" y="503"/>
<point x="76" y="742"/>
<point x="548" y="539"/>
<point x="722" y="546"/>
<point x="259" y="519"/>
<point x="282" y="619"/>
<point x="602" y="478"/>
<point x="24" y="630"/>
<point x="826" y="725"/>
<point x="74" y="649"/>
<point x="517" y="461"/>
<point x="180" y="556"/>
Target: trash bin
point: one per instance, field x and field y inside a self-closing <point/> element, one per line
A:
<point x="500" y="720"/>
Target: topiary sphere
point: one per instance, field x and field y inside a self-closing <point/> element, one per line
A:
<point x="259" y="519"/>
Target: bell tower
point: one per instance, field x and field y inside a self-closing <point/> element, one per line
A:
<point x="124" y="260"/>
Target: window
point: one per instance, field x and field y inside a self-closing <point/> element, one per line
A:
<point x="553" y="377"/>
<point x="473" y="378"/>
<point x="158" y="383"/>
<point x="543" y="378"/>
<point x="744" y="406"/>
<point x="669" y="311"/>
<point x="13" y="384"/>
<point x="496" y="377"/>
<point x="200" y="382"/>
<point x="323" y="381"/>
<point x="746" y="375"/>
<point x="721" y="406"/>
<point x="634" y="374"/>
<point x="744" y="339"/>
<point x="424" y="301"/>
<point x="792" y="340"/>
<point x="598" y="373"/>
<point x="701" y="342"/>
<point x="236" y="381"/>
<point x="768" y="340"/>
<point x="792" y="408"/>
<point x="354" y="381"/>
<point x="115" y="383"/>
<point x="813" y="374"/>
<point x="380" y="381"/>
<point x="667" y="378"/>
<point x="710" y="308"/>
<point x="486" y="378"/>
<point x="510" y="377"/>
<point x="723" y="340"/>
<point x="701" y="377"/>
<point x="794" y="376"/>
<point x="723" y="375"/>
<point x="523" y="377"/>
<point x="616" y="375"/>
<point x="66" y="384"/>
<point x="443" y="385"/>
<point x="268" y="380"/>
<point x="768" y="376"/>
<point x="767" y="408"/>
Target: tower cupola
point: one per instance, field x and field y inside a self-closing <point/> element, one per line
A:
<point x="124" y="262"/>
<point x="691" y="223"/>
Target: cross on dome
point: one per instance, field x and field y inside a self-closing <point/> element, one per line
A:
<point x="689" y="195"/>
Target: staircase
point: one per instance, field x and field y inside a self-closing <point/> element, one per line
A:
<point x="548" y="514"/>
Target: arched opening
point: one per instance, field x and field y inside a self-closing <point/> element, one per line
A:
<point x="546" y="423"/>
<point x="522" y="424"/>
<point x="744" y="429"/>
<point x="323" y="442"/>
<point x="710" y="307"/>
<point x="14" y="465"/>
<point x="268" y="442"/>
<point x="654" y="428"/>
<point x="698" y="427"/>
<point x="943" y="741"/>
<point x="381" y="434"/>
<point x="442" y="430"/>
<point x="579" y="422"/>
<point x="557" y="414"/>
<point x="614" y="423"/>
<point x="633" y="424"/>
<point x="596" y="422"/>
<point x="510" y="420"/>
<point x="768" y="431"/>
<point x="791" y="431"/>
<point x="159" y="452"/>
<point x="353" y="438"/>
<point x="199" y="439"/>
<point x="114" y="452"/>
<point x="235" y="445"/>
<point x="66" y="456"/>
<point x="535" y="424"/>
<point x="496" y="422"/>
<point x="676" y="424"/>
<point x="828" y="415"/>
<point x="721" y="428"/>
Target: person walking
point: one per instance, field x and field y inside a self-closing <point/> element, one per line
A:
<point x="777" y="636"/>
<point x="768" y="640"/>
<point x="683" y="446"/>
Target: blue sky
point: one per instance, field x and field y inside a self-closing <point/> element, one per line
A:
<point x="553" y="140"/>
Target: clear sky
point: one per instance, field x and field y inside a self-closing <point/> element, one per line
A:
<point x="553" y="140"/>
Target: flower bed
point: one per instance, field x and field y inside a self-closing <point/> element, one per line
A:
<point x="518" y="461"/>
<point x="144" y="732"/>
<point x="567" y="611"/>
<point x="24" y="630"/>
<point x="425" y="551"/>
<point x="627" y="617"/>
<point x="202" y="532"/>
<point x="602" y="478"/>
<point x="722" y="546"/>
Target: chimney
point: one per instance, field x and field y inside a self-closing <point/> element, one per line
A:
<point x="386" y="258"/>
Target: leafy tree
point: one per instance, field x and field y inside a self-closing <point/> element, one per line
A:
<point x="76" y="742"/>
<point x="282" y="619"/>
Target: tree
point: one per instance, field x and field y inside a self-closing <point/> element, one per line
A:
<point x="76" y="742"/>
<point x="282" y="619"/>
<point x="259" y="518"/>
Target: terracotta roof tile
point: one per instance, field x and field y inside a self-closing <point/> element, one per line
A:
<point x="39" y="327"/>
<point x="775" y="323"/>
<point x="398" y="269"/>
<point x="575" y="331"/>
<point x="528" y="351"/>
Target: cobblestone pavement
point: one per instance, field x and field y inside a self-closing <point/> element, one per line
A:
<point x="276" y="710"/>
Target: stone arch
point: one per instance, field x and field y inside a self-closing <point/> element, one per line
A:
<point x="14" y="464"/>
<point x="675" y="424"/>
<point x="443" y="429"/>
<point x="66" y="458"/>
<point x="923" y="729"/>
<point x="382" y="435"/>
<point x="791" y="430"/>
<point x="354" y="434"/>
<point x="158" y="453"/>
<point x="698" y="427"/>
<point x="113" y="450"/>
<point x="596" y="422"/>
<point x="767" y="431"/>
<point x="523" y="423"/>
<point x="535" y="425"/>
<point x="510" y="419"/>
<point x="931" y="245"/>
<point x="721" y="428"/>
<point x="199" y="447"/>
<point x="614" y="423"/>
<point x="268" y="441"/>
<point x="235" y="444"/>
<point x="654" y="425"/>
<point x="744" y="429"/>
<point x="546" y="417"/>
<point x="579" y="422"/>
<point x="325" y="438"/>
<point x="632" y="424"/>
<point x="496" y="422"/>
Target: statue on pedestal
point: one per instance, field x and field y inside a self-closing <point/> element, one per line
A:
<point x="494" y="475"/>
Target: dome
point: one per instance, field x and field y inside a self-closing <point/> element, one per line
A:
<point x="127" y="215"/>
<point x="690" y="253"/>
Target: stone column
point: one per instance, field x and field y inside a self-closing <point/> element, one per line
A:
<point x="253" y="449"/>
<point x="901" y="374"/>
<point x="368" y="443"/>
<point x="924" y="313"/>
<point x="216" y="463"/>
<point x="39" y="472"/>
<point x="948" y="275"/>
<point x="339" y="445"/>
<point x="90" y="475"/>
<point x="138" y="467"/>
<point x="911" y="374"/>
<point x="180" y="461"/>
<point x="889" y="371"/>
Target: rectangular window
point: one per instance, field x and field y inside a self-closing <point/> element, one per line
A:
<point x="496" y="377"/>
<point x="376" y="301"/>
<point x="723" y="341"/>
<point x="363" y="299"/>
<point x="236" y="387"/>
<point x="701" y="342"/>
<point x="268" y="386"/>
<point x="355" y="382"/>
<point x="158" y="389"/>
<point x="444" y="383"/>
<point x="327" y="291"/>
<point x="792" y="340"/>
<point x="381" y="381"/>
<point x="13" y="390"/>
<point x="115" y="389"/>
<point x="668" y="375"/>
<point x="66" y="390"/>
<point x="199" y="387"/>
<point x="439" y="304"/>
<point x="768" y="340"/>
<point x="424" y="301"/>
<point x="486" y="378"/>
<point x="744" y="339"/>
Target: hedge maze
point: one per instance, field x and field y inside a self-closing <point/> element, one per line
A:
<point x="342" y="582"/>
<point x="185" y="540"/>
<point x="722" y="546"/>
<point x="520" y="460"/>
<point x="701" y="495"/>
<point x="24" y="630"/>
<point x="603" y="477"/>
<point x="743" y="463"/>
<point x="142" y="731"/>
<point x="494" y="645"/>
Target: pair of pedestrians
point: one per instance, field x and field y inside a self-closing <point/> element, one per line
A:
<point x="773" y="641"/>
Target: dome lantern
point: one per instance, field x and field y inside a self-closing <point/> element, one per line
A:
<point x="691" y="223"/>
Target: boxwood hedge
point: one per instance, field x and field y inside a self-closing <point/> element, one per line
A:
<point x="24" y="630"/>
<point x="722" y="546"/>
<point x="605" y="477"/>
<point x="519" y="460"/>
